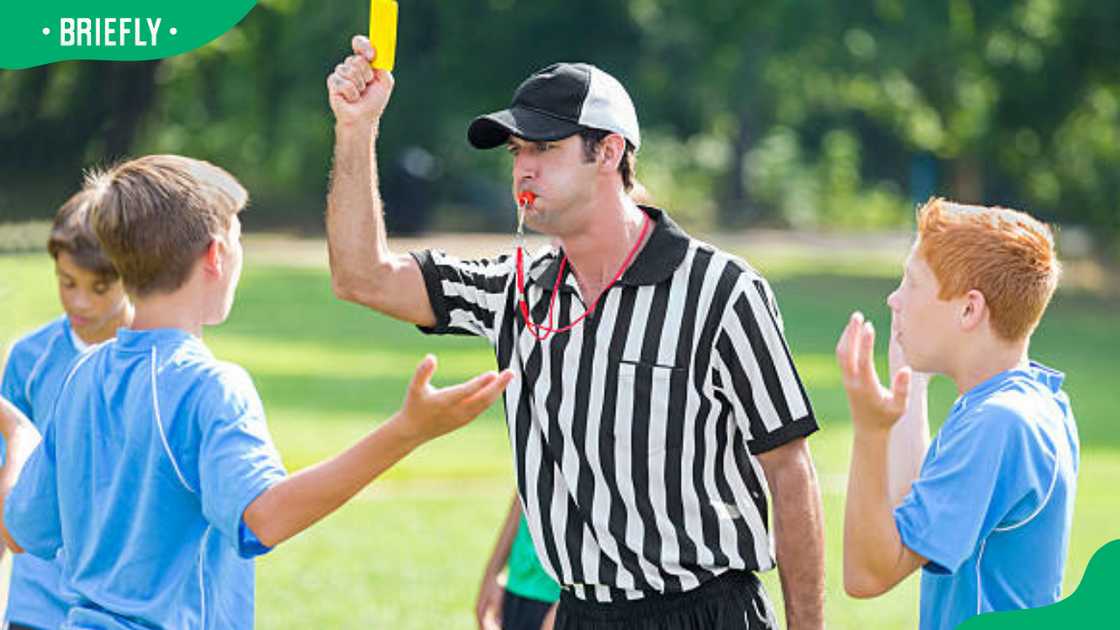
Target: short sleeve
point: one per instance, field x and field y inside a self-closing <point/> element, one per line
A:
<point x="976" y="473"/>
<point x="13" y="385"/>
<point x="31" y="511"/>
<point x="756" y="373"/>
<point x="466" y="296"/>
<point x="237" y="459"/>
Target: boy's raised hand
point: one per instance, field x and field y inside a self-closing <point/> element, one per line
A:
<point x="358" y="92"/>
<point x="429" y="412"/>
<point x="872" y="405"/>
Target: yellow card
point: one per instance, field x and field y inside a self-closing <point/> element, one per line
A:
<point x="383" y="32"/>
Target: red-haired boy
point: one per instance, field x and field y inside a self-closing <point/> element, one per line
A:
<point x="988" y="515"/>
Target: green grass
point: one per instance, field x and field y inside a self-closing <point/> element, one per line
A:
<point x="407" y="553"/>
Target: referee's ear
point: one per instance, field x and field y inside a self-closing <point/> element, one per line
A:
<point x="611" y="150"/>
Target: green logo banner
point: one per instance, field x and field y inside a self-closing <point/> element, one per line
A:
<point x="37" y="33"/>
<point x="1092" y="605"/>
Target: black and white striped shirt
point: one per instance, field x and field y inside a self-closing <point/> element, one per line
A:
<point x="633" y="433"/>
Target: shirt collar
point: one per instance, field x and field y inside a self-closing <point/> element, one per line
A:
<point x="79" y="344"/>
<point x="663" y="253"/>
<point x="129" y="340"/>
<point x="1049" y="378"/>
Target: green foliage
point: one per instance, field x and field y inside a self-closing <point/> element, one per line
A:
<point x="803" y="112"/>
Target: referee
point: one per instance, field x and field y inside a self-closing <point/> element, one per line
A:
<point x="655" y="399"/>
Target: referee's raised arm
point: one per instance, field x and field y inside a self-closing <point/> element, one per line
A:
<point x="363" y="269"/>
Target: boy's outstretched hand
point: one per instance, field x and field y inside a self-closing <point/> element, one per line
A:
<point x="295" y="503"/>
<point x="429" y="412"/>
<point x="873" y="406"/>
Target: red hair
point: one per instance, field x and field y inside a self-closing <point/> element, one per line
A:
<point x="1006" y="255"/>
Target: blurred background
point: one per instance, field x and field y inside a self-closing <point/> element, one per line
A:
<point x="801" y="113"/>
<point x="797" y="134"/>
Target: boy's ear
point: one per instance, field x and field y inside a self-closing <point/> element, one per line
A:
<point x="214" y="258"/>
<point x="974" y="311"/>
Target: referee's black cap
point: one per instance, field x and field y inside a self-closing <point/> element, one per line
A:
<point x="559" y="101"/>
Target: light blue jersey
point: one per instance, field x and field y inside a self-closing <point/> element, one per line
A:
<point x="993" y="505"/>
<point x="142" y="479"/>
<point x="37" y="365"/>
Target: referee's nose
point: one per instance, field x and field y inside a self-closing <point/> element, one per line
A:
<point x="525" y="168"/>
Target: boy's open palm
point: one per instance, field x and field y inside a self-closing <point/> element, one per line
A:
<point x="873" y="406"/>
<point x="430" y="412"/>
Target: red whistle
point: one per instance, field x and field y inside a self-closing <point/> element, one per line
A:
<point x="526" y="198"/>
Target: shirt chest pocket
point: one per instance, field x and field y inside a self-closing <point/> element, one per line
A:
<point x="650" y="406"/>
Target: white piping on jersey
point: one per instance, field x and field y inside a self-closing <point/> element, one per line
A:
<point x="1007" y="528"/>
<point x="159" y="424"/>
<point x="1045" y="500"/>
<point x="82" y="358"/>
<point x="201" y="582"/>
<point x="979" y="584"/>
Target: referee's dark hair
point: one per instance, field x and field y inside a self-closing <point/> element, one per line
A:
<point x="592" y="138"/>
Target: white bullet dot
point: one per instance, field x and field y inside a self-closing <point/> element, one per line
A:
<point x="46" y="30"/>
<point x="174" y="31"/>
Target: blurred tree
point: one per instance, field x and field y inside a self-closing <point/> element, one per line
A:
<point x="802" y="112"/>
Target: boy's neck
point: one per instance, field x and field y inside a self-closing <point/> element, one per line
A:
<point x="170" y="310"/>
<point x="981" y="361"/>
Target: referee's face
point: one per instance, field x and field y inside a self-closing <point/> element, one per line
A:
<point x="562" y="180"/>
<point x="923" y="321"/>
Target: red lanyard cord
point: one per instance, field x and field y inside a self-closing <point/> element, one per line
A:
<point x="541" y="332"/>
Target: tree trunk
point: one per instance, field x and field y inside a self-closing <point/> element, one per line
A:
<point x="968" y="180"/>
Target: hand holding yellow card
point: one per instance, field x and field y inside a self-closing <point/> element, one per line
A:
<point x="383" y="32"/>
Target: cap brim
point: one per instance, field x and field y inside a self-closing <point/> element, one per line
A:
<point x="493" y="130"/>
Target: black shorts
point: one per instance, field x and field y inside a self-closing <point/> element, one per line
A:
<point x="522" y="613"/>
<point x="735" y="600"/>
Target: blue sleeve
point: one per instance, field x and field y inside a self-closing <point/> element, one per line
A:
<point x="976" y="476"/>
<point x="237" y="459"/>
<point x="31" y="511"/>
<point x="13" y="386"/>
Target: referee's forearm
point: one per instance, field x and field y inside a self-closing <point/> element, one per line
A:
<point x="799" y="536"/>
<point x="356" y="238"/>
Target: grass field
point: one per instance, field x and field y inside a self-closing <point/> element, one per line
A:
<point x="407" y="553"/>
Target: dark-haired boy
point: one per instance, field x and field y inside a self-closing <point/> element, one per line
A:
<point x="95" y="305"/>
